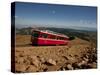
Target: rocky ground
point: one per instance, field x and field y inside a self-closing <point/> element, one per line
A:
<point x="76" y="55"/>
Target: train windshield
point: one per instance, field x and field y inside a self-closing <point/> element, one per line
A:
<point x="35" y="34"/>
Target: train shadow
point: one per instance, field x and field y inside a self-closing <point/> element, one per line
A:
<point x="31" y="45"/>
<point x="47" y="45"/>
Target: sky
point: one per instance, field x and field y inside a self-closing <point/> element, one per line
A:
<point x="51" y="15"/>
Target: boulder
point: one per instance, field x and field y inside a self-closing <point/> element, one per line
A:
<point x="20" y="68"/>
<point x="35" y="62"/>
<point x="51" y="61"/>
<point x="27" y="62"/>
<point x="92" y="65"/>
<point x="82" y="63"/>
<point x="19" y="60"/>
<point x="31" y="68"/>
<point x="42" y="60"/>
<point x="69" y="67"/>
<point x="85" y="59"/>
<point x="32" y="57"/>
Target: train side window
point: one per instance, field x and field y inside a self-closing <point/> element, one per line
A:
<point x="43" y="35"/>
<point x="35" y="34"/>
<point x="40" y="35"/>
<point x="53" y="37"/>
<point x="65" y="38"/>
<point x="62" y="38"/>
<point x="58" y="38"/>
<point x="49" y="36"/>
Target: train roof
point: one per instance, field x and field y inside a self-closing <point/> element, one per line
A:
<point x="52" y="32"/>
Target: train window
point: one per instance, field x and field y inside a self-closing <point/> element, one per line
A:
<point x="43" y="35"/>
<point x="57" y="38"/>
<point x="62" y="38"/>
<point x="53" y="37"/>
<point x="40" y="35"/>
<point x="35" y="34"/>
<point x="49" y="36"/>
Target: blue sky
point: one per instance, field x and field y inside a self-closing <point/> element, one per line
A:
<point x="51" y="15"/>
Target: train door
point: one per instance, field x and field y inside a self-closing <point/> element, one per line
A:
<point x="34" y="37"/>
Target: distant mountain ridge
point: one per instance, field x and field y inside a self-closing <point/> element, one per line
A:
<point x="50" y="26"/>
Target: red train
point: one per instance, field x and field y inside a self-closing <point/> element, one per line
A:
<point x="40" y="37"/>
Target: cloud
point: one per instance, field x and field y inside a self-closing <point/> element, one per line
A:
<point x="87" y="22"/>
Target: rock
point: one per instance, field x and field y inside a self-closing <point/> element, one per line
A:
<point x="94" y="49"/>
<point x="31" y="68"/>
<point x="32" y="57"/>
<point x="75" y="65"/>
<point x="86" y="56"/>
<point x="20" y="68"/>
<point x="27" y="62"/>
<point x="63" y="69"/>
<point x="85" y="59"/>
<point x="65" y="57"/>
<point x="51" y="61"/>
<point x="71" y="55"/>
<point x="69" y="67"/>
<point x="21" y="55"/>
<point x="20" y="60"/>
<point x="42" y="60"/>
<point x="82" y="63"/>
<point x="93" y="65"/>
<point x="71" y="59"/>
<point x="76" y="56"/>
<point x="34" y="61"/>
<point x="45" y="69"/>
